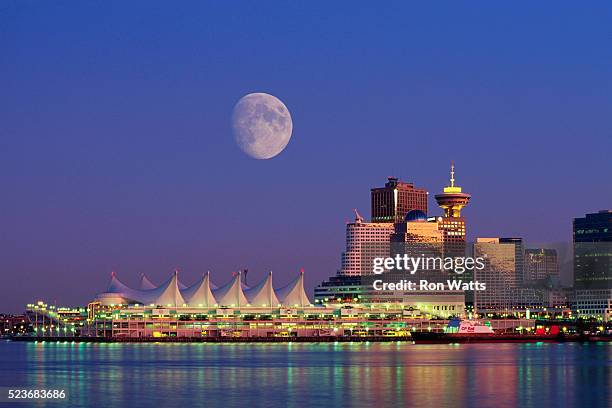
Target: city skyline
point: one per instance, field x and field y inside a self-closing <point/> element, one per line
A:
<point x="144" y="276"/>
<point x="117" y="150"/>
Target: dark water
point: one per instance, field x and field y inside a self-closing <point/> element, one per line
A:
<point x="326" y="375"/>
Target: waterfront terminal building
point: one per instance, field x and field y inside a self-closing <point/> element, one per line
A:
<point x="206" y="312"/>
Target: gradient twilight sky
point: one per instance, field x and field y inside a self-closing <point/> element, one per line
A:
<point x="116" y="150"/>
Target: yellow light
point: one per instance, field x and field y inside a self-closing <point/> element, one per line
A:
<point x="452" y="189"/>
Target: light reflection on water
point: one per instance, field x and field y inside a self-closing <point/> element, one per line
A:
<point x="303" y="374"/>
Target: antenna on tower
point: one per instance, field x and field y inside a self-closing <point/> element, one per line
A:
<point x="452" y="178"/>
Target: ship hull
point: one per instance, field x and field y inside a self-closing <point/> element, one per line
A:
<point x="447" y="338"/>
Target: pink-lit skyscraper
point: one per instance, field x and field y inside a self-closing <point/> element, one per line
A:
<point x="392" y="202"/>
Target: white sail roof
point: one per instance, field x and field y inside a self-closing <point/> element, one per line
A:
<point x="231" y="294"/>
<point x="293" y="294"/>
<point x="145" y="283"/>
<point x="170" y="294"/>
<point x="164" y="293"/>
<point x="262" y="294"/>
<point x="200" y="294"/>
<point x="115" y="285"/>
<point x="206" y="294"/>
<point x="122" y="290"/>
<point x="211" y="284"/>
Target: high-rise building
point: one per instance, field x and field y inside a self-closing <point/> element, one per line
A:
<point x="364" y="242"/>
<point x="452" y="200"/>
<point x="420" y="237"/>
<point x="392" y="202"/>
<point x="415" y="228"/>
<point x="416" y="236"/>
<point x="540" y="264"/>
<point x="593" y="251"/>
<point x="502" y="274"/>
<point x="593" y="265"/>
<point x="519" y="256"/>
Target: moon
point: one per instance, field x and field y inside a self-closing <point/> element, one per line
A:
<point x="262" y="125"/>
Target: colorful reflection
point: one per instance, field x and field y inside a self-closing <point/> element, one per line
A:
<point x="298" y="374"/>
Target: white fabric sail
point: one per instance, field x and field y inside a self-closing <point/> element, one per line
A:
<point x="163" y="293"/>
<point x="206" y="294"/>
<point x="200" y="294"/>
<point x="293" y="294"/>
<point x="123" y="291"/>
<point x="262" y="294"/>
<point x="115" y="285"/>
<point x="171" y="294"/>
<point x="231" y="294"/>
<point x="145" y="283"/>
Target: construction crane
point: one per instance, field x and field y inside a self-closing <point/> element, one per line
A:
<point x="358" y="216"/>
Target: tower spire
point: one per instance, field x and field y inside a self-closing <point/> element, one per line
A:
<point x="452" y="199"/>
